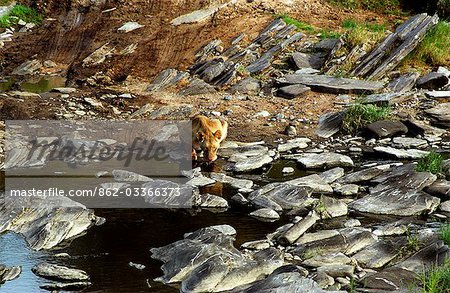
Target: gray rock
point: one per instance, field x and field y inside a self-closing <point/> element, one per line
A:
<point x="401" y="153"/>
<point x="330" y="124"/>
<point x="256" y="245"/>
<point x="385" y="128"/>
<point x="409" y="142"/>
<point x="391" y="279"/>
<point x="240" y="199"/>
<point x="293" y="91"/>
<point x="129" y="26"/>
<point x="315" y="236"/>
<point x="378" y="254"/>
<point x="399" y="193"/>
<point x="297" y="230"/>
<point x="395" y="228"/>
<point x="248" y="86"/>
<point x="127" y="176"/>
<point x="265" y="214"/>
<point x="429" y="256"/>
<point x="347" y="189"/>
<point x="439" y="188"/>
<point x="323" y="280"/>
<point x="64" y="90"/>
<point x="166" y="78"/>
<point x="252" y="163"/>
<point x="382" y="99"/>
<point x="324" y="160"/>
<point x="137" y="266"/>
<point x="282" y="196"/>
<point x="98" y="56"/>
<point x="296" y="143"/>
<point x="416" y="127"/>
<point x="432" y="81"/>
<point x="56" y="272"/>
<point x="335" y="258"/>
<point x="288" y="170"/>
<point x="326" y="45"/>
<point x="28" y="67"/>
<point x="440" y="115"/>
<point x="438" y="94"/>
<point x="9" y="273"/>
<point x="337" y="270"/>
<point x="65" y="286"/>
<point x="445" y="206"/>
<point x="200" y="181"/>
<point x="404" y="83"/>
<point x="197" y="87"/>
<point x="332" y="175"/>
<point x="212" y="201"/>
<point x="333" y="207"/>
<point x="235" y="182"/>
<point x="314" y="182"/>
<point x="335" y="85"/>
<point x="309" y="60"/>
<point x="206" y="260"/>
<point x="198" y="15"/>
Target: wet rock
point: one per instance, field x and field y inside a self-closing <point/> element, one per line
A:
<point x="314" y="182"/>
<point x="61" y="273"/>
<point x="98" y="56"/>
<point x="206" y="260"/>
<point x="197" y="87"/>
<point x="127" y="176"/>
<point x="336" y="258"/>
<point x="349" y="241"/>
<point x="347" y="189"/>
<point x="324" y="160"/>
<point x="70" y="286"/>
<point x="265" y="214"/>
<point x="390" y="279"/>
<point x="136" y="266"/>
<point x="332" y="175"/>
<point x="385" y="128"/>
<point x="293" y="91"/>
<point x="337" y="270"/>
<point x="399" y="193"/>
<point x="288" y="170"/>
<point x="307" y="60"/>
<point x="440" y="115"/>
<point x="282" y="196"/>
<point x="248" y="86"/>
<point x="288" y="278"/>
<point x="297" y="230"/>
<point x="129" y="26"/>
<point x="28" y="67"/>
<point x="333" y="207"/>
<point x="296" y="143"/>
<point x="315" y="236"/>
<point x="404" y="83"/>
<point x="212" y="201"/>
<point x="432" y="81"/>
<point x="240" y="199"/>
<point x="330" y="124"/>
<point x="252" y="163"/>
<point x="9" y="273"/>
<point x="400" y="153"/>
<point x="409" y="142"/>
<point x="432" y="255"/>
<point x="438" y="94"/>
<point x="378" y="254"/>
<point x="235" y="182"/>
<point x="440" y="188"/>
<point x="334" y="85"/>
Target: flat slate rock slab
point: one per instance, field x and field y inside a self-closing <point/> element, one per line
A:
<point x="440" y="114"/>
<point x="385" y="128"/>
<point x="334" y="85"/>
<point x="324" y="160"/>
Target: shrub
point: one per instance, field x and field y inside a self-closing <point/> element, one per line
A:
<point x="431" y="163"/>
<point x="436" y="279"/>
<point x="359" y="115"/>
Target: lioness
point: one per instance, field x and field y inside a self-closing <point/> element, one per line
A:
<point x="207" y="134"/>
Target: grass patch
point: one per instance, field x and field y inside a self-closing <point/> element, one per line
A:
<point x="363" y="33"/>
<point x="359" y="115"/>
<point x="430" y="163"/>
<point x="434" y="49"/>
<point x="308" y="28"/>
<point x="20" y="12"/>
<point x="436" y="279"/>
<point x="444" y="232"/>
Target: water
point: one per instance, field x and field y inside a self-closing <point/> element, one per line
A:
<point x="38" y="85"/>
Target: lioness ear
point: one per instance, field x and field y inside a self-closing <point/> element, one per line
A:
<point x="218" y="134"/>
<point x="200" y="136"/>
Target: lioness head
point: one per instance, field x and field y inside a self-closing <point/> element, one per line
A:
<point x="209" y="143"/>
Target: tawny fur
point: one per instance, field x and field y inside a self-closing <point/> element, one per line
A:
<point x="207" y="135"/>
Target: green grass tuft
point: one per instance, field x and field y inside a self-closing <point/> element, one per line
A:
<point x="444" y="232"/>
<point x="436" y="279"/>
<point x="308" y="28"/>
<point x="431" y="163"/>
<point x="363" y="33"/>
<point x="22" y="12"/>
<point x="434" y="49"/>
<point x="360" y="115"/>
